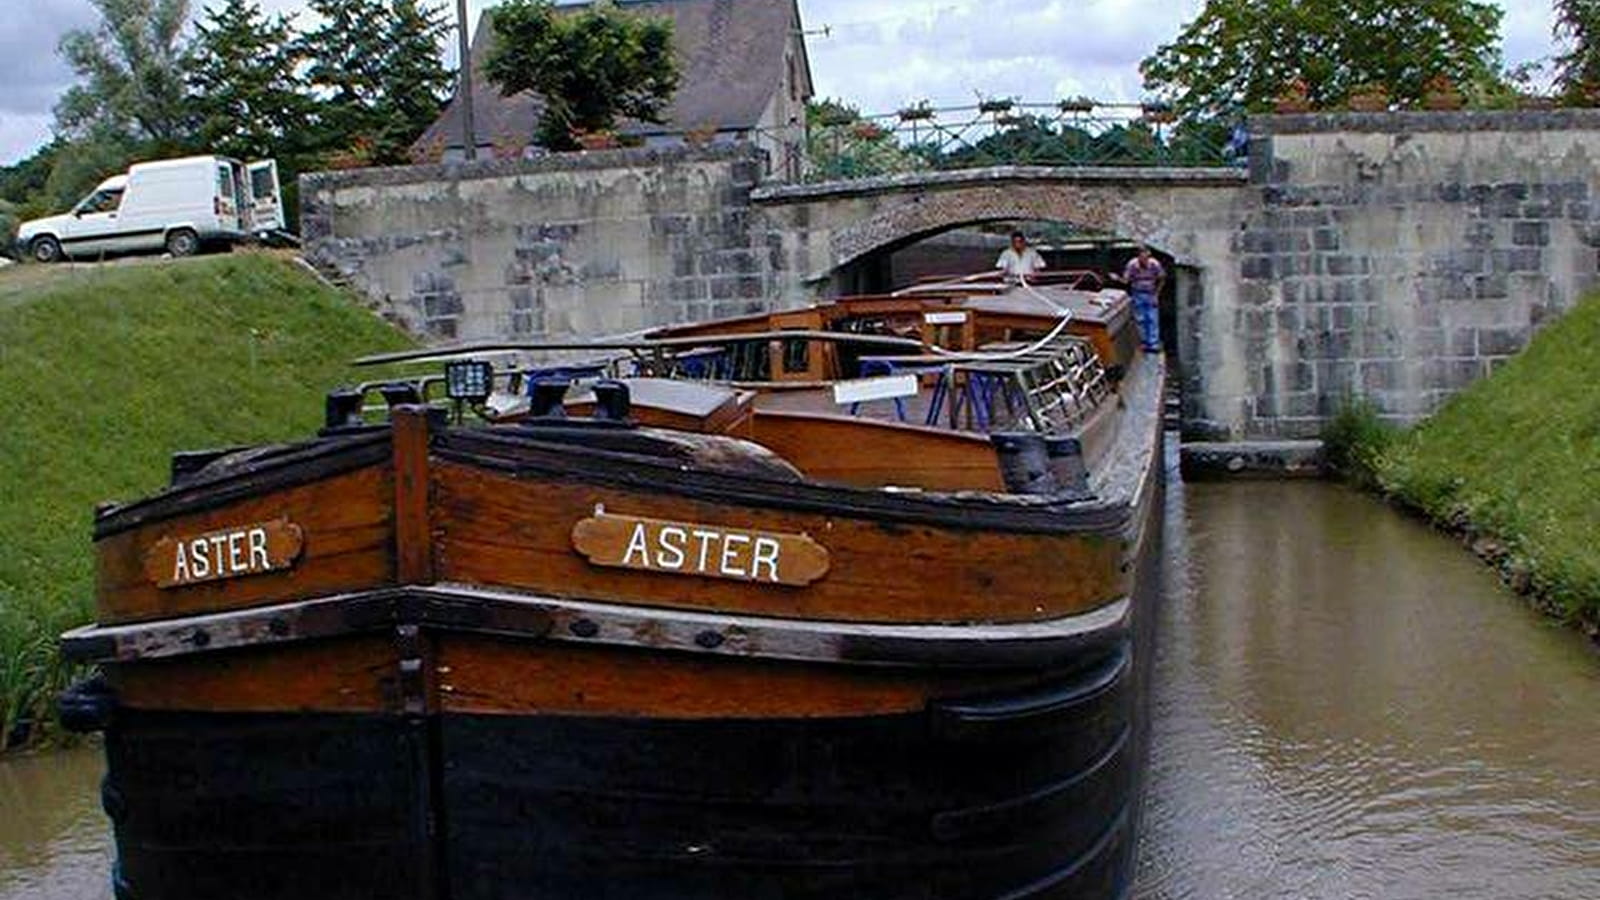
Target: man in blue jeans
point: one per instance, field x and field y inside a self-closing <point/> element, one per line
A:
<point x="1145" y="277"/>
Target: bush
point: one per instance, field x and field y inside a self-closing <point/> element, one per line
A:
<point x="1356" y="439"/>
<point x="9" y="220"/>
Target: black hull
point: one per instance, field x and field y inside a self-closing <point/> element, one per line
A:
<point x="1030" y="794"/>
<point x="1025" y="795"/>
<point x="1017" y="796"/>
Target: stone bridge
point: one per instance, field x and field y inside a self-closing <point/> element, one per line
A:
<point x="1395" y="255"/>
<point x="829" y="227"/>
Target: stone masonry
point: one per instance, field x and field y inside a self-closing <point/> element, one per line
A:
<point x="1394" y="255"/>
<point x="1398" y="256"/>
<point x="571" y="245"/>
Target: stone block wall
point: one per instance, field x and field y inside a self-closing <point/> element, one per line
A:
<point x="1394" y="255"/>
<point x="1398" y="256"/>
<point x="570" y="245"/>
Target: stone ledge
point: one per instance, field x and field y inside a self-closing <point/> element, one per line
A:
<point x="1103" y="175"/>
<point x="1412" y="121"/>
<point x="578" y="161"/>
<point x="1252" y="459"/>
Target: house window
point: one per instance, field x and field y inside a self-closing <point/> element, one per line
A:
<point x="794" y="80"/>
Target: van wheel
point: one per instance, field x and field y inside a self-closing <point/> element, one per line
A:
<point x="45" y="249"/>
<point x="183" y="242"/>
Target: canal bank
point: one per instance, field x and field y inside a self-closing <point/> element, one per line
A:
<point x="1345" y="705"/>
<point x="1511" y="466"/>
<point x="106" y="370"/>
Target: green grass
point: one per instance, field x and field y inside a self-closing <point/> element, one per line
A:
<point x="1355" y="441"/>
<point x="105" y="372"/>
<point x="1515" y="459"/>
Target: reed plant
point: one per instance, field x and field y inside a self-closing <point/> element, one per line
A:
<point x="1356" y="439"/>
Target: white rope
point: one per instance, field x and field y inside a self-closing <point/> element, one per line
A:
<point x="1036" y="346"/>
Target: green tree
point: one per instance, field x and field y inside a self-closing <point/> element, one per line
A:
<point x="131" y="73"/>
<point x="9" y="219"/>
<point x="591" y="67"/>
<point x="82" y="164"/>
<point x="244" y="70"/>
<point x="1578" y="68"/>
<point x="1242" y="54"/>
<point x="60" y="173"/>
<point x="376" y="70"/>
<point x="842" y="144"/>
<point x="415" y="84"/>
<point x="26" y="179"/>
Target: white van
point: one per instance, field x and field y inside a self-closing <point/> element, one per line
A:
<point x="179" y="205"/>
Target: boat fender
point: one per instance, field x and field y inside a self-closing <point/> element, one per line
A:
<point x="1024" y="462"/>
<point x="1066" y="463"/>
<point x="612" y="401"/>
<point x="87" y="705"/>
<point x="546" y="397"/>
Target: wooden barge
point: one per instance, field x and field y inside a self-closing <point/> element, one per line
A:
<point x="846" y="601"/>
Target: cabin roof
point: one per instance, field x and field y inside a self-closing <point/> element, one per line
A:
<point x="732" y="54"/>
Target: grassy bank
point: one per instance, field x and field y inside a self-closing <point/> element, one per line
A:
<point x="105" y="372"/>
<point x="1512" y="464"/>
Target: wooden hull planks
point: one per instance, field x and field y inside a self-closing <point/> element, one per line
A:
<point x="589" y="659"/>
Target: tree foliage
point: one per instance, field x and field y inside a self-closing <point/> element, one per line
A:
<point x="591" y="67"/>
<point x="131" y="74"/>
<point x="842" y="144"/>
<point x="83" y="164"/>
<point x="1578" y="67"/>
<point x="375" y="68"/>
<point x="8" y="227"/>
<point x="244" y="71"/>
<point x="60" y="173"/>
<point x="358" y="90"/>
<point x="1242" y="54"/>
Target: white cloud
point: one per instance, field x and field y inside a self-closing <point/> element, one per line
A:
<point x="879" y="56"/>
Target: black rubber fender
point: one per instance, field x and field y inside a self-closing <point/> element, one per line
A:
<point x="87" y="706"/>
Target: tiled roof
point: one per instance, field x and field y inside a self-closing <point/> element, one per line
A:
<point x="732" y="58"/>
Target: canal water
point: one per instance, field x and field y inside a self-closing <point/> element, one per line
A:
<point x="1346" y="706"/>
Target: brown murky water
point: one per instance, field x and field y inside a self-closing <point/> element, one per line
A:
<point x="1346" y="706"/>
<point x="54" y="842"/>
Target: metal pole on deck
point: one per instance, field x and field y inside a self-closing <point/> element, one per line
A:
<point x="469" y="135"/>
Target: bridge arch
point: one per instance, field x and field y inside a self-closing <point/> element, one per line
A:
<point x="935" y="213"/>
<point x="847" y="221"/>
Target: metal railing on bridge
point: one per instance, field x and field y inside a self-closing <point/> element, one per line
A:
<point x="840" y="144"/>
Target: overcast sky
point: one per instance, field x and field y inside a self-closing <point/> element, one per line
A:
<point x="880" y="55"/>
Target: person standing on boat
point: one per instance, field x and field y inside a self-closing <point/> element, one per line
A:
<point x="1145" y="277"/>
<point x="1019" y="261"/>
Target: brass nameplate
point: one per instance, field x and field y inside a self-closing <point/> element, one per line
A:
<point x="689" y="548"/>
<point x="229" y="553"/>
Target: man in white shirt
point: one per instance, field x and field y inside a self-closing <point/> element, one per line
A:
<point x="1019" y="261"/>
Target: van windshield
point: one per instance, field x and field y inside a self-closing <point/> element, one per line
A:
<point x="102" y="201"/>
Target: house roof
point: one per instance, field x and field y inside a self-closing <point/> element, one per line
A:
<point x="732" y="57"/>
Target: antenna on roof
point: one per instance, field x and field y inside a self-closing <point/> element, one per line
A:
<point x="825" y="31"/>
